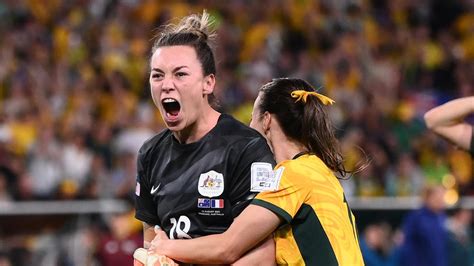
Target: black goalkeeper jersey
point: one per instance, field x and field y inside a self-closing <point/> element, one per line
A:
<point x="198" y="189"/>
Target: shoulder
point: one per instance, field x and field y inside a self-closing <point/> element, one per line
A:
<point x="228" y="125"/>
<point x="306" y="164"/>
<point x="235" y="132"/>
<point x="150" y="144"/>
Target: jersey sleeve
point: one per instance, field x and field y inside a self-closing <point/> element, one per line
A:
<point x="287" y="199"/>
<point x="145" y="209"/>
<point x="240" y="195"/>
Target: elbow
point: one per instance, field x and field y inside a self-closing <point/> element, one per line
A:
<point x="227" y="255"/>
<point x="428" y="117"/>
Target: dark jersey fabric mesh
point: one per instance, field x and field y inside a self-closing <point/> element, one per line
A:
<point x="198" y="188"/>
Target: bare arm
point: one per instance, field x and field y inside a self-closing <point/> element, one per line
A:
<point x="148" y="234"/>
<point x="252" y="226"/>
<point x="262" y="255"/>
<point x="447" y="121"/>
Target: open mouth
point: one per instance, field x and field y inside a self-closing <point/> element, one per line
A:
<point x="171" y="107"/>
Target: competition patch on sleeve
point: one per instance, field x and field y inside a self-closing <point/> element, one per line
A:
<point x="263" y="178"/>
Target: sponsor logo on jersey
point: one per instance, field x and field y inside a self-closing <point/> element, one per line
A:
<point x="154" y="189"/>
<point x="210" y="203"/>
<point x="211" y="184"/>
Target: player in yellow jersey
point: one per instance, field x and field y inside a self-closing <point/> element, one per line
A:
<point x="302" y="201"/>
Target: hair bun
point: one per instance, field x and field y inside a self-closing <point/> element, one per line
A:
<point x="201" y="25"/>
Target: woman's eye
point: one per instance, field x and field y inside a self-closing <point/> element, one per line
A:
<point x="156" y="76"/>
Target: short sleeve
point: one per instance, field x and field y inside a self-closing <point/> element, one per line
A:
<point x="287" y="199"/>
<point x="145" y="209"/>
<point x="240" y="196"/>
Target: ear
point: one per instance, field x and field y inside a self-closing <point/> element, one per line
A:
<point x="267" y="122"/>
<point x="209" y="84"/>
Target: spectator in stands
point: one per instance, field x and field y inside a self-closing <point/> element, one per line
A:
<point x="376" y="245"/>
<point x="459" y="237"/>
<point x="116" y="245"/>
<point x="425" y="235"/>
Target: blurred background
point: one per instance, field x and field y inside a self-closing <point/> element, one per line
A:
<point x="75" y="107"/>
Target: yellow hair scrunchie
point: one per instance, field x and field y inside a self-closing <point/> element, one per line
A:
<point x="302" y="94"/>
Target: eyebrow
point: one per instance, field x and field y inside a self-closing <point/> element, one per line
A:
<point x="174" y="69"/>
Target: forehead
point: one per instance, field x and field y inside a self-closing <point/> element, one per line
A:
<point x="174" y="56"/>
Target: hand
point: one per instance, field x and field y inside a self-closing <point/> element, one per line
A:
<point x="158" y="241"/>
<point x="149" y="257"/>
<point x="141" y="257"/>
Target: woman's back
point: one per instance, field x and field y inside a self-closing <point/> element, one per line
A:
<point x="319" y="228"/>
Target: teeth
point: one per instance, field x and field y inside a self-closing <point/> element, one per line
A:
<point x="169" y="100"/>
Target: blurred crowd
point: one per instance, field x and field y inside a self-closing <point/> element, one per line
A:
<point x="75" y="105"/>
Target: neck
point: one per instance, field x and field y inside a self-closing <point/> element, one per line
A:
<point x="198" y="129"/>
<point x="285" y="149"/>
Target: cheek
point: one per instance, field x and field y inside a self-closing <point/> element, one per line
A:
<point x="257" y="126"/>
<point x="155" y="92"/>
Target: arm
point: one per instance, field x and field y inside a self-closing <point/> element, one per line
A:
<point x="446" y="121"/>
<point x="262" y="254"/>
<point x="252" y="226"/>
<point x="148" y="234"/>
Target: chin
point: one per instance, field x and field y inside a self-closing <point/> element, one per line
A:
<point x="175" y="127"/>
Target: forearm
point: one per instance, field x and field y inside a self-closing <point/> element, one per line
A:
<point x="148" y="234"/>
<point x="449" y="113"/>
<point x="252" y="226"/>
<point x="261" y="255"/>
<point x="213" y="249"/>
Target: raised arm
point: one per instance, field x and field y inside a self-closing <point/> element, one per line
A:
<point x="447" y="121"/>
<point x="249" y="229"/>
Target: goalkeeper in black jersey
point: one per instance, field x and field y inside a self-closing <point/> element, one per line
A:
<point x="194" y="178"/>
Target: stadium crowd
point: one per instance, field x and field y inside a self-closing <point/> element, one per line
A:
<point x="75" y="105"/>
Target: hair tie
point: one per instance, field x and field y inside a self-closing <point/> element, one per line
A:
<point x="302" y="94"/>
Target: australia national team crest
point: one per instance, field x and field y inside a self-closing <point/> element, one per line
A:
<point x="211" y="184"/>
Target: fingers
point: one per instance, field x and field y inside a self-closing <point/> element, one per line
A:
<point x="160" y="234"/>
<point x="142" y="257"/>
<point x="139" y="257"/>
<point x="159" y="260"/>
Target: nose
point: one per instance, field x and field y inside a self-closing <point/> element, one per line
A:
<point x="167" y="84"/>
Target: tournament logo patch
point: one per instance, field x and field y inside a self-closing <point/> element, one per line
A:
<point x="211" y="184"/>
<point x="263" y="178"/>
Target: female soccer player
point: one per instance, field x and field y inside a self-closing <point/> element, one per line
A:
<point x="304" y="201"/>
<point x="194" y="177"/>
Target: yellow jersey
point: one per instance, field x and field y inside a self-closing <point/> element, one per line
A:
<point x="318" y="226"/>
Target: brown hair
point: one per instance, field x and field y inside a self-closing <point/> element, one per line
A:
<point x="305" y="122"/>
